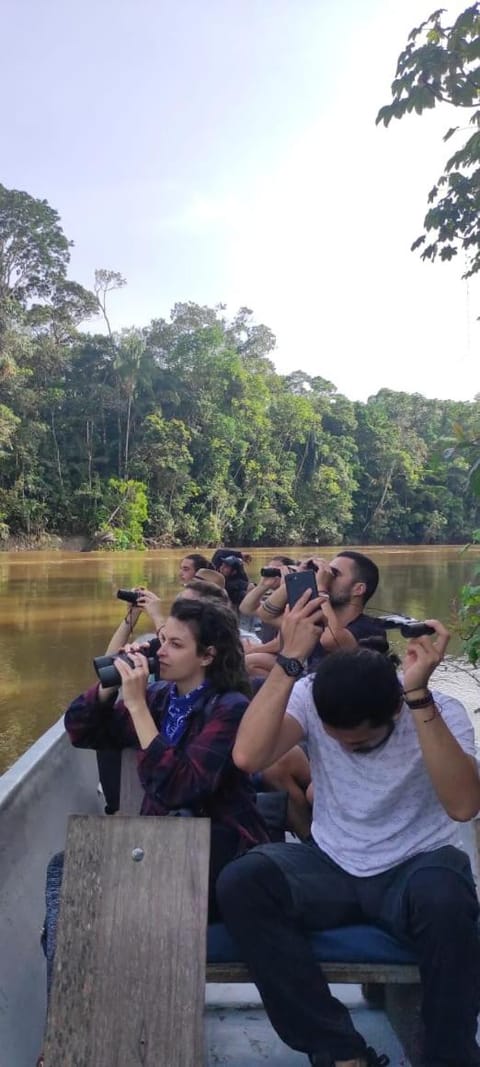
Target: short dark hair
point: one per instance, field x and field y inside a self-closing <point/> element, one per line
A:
<point x="287" y="561"/>
<point x="199" y="561"/>
<point x="366" y="571"/>
<point x="355" y="686"/>
<point x="215" y="624"/>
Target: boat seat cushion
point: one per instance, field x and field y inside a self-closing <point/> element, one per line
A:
<point x="346" y="944"/>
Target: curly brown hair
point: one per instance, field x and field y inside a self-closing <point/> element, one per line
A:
<point x="215" y="625"/>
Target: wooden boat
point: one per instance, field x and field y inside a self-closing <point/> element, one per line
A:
<point x="37" y="795"/>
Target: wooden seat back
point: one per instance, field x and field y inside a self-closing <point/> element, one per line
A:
<point x="129" y="972"/>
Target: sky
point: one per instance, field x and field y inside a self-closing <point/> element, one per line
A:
<point x="225" y="151"/>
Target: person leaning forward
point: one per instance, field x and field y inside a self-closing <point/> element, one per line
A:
<point x="393" y="771"/>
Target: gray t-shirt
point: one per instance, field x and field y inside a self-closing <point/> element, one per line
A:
<point x="372" y="811"/>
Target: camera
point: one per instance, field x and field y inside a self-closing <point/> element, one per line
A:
<point x="107" y="672"/>
<point x="130" y="595"/>
<point x="271" y="572"/>
<point x="408" y="627"/>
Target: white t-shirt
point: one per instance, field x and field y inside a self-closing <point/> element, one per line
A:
<point x="374" y="810"/>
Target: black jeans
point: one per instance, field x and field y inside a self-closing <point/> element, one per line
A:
<point x="271" y="898"/>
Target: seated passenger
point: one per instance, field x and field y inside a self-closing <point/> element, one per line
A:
<point x="211" y="578"/>
<point x="236" y="579"/>
<point x="345" y="585"/>
<point x="221" y="554"/>
<point x="109" y="762"/>
<point x="184" y="727"/>
<point x="393" y="771"/>
<point x="191" y="564"/>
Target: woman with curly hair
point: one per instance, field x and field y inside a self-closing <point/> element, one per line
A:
<point x="185" y="727"/>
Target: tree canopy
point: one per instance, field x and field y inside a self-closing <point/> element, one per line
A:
<point x="181" y="430"/>
<point x="441" y="65"/>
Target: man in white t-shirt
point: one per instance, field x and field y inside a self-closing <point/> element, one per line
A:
<point x="393" y="772"/>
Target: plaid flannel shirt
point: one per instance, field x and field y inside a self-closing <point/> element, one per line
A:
<point x="197" y="773"/>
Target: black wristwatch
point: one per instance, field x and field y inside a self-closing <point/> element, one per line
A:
<point x="292" y="667"/>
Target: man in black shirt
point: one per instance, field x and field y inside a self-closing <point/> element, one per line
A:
<point x="345" y="585"/>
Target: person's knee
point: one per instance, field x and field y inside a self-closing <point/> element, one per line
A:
<point x="443" y="896"/>
<point x="243" y="884"/>
<point x="290" y="771"/>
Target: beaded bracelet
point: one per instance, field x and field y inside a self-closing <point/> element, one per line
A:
<point x="422" y="702"/>
<point x="272" y="609"/>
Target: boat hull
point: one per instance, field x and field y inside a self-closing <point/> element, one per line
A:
<point x="50" y="782"/>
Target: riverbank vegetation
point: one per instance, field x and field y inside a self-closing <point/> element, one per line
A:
<point x="181" y="431"/>
<point x="440" y="65"/>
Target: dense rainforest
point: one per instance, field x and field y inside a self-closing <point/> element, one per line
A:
<point x="182" y="431"/>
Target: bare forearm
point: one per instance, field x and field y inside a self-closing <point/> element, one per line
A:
<point x="453" y="773"/>
<point x="143" y="722"/>
<point x="257" y="737"/>
<point x="276" y="601"/>
<point x="251" y="600"/>
<point x="120" y="637"/>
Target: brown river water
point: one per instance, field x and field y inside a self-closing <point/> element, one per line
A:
<point x="58" y="610"/>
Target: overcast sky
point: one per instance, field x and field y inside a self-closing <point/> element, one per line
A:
<point x="226" y="151"/>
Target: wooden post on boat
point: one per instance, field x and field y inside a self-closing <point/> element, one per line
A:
<point x="129" y="973"/>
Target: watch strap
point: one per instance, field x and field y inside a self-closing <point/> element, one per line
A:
<point x="292" y="666"/>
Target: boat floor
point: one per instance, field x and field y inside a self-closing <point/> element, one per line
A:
<point x="239" y="1034"/>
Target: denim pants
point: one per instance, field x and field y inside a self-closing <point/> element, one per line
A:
<point x="272" y="897"/>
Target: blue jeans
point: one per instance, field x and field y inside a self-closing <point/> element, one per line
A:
<point x="273" y="896"/>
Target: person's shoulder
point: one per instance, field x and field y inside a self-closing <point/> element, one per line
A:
<point x="229" y="699"/>
<point x="366" y="626"/>
<point x="452" y="709"/>
<point x="302" y="691"/>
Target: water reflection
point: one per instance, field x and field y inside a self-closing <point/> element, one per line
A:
<point x="58" y="610"/>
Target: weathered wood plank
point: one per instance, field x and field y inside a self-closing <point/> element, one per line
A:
<point x="131" y="790"/>
<point x="129" y="977"/>
<point x="357" y="973"/>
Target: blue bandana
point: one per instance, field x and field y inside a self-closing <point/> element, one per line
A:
<point x="178" y="712"/>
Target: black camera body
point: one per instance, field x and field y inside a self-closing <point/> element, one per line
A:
<point x="107" y="672"/>
<point x="129" y="595"/>
<point x="408" y="627"/>
<point x="271" y="572"/>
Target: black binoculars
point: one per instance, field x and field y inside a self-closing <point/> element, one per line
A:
<point x="107" y="672"/>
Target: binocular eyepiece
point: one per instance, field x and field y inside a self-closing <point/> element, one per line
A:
<point x="107" y="672"/>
